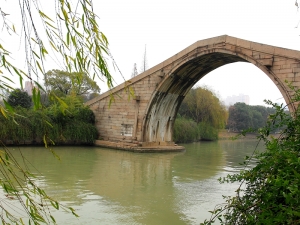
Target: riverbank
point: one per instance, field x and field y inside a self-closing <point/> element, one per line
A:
<point x="225" y="134"/>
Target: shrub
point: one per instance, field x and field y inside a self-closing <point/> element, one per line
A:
<point x="50" y="125"/>
<point x="85" y="114"/>
<point x="269" y="193"/>
<point x="185" y="130"/>
<point x="207" y="132"/>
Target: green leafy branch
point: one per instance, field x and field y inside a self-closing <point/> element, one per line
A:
<point x="269" y="192"/>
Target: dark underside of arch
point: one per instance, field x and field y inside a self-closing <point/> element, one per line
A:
<point x="158" y="125"/>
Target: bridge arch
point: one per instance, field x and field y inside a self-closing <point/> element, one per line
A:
<point x="166" y="100"/>
<point x="148" y="118"/>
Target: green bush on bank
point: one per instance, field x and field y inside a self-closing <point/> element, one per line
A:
<point x="207" y="132"/>
<point x="185" y="130"/>
<point x="202" y="106"/>
<point x="269" y="193"/>
<point x="72" y="126"/>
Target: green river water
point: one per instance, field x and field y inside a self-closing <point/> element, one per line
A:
<point x="107" y="186"/>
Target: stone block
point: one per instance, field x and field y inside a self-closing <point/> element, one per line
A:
<point x="212" y="41"/>
<point x="256" y="55"/>
<point x="285" y="71"/>
<point x="297" y="77"/>
<point x="262" y="47"/>
<point x="289" y="79"/>
<point x="246" y="52"/>
<point x="295" y="65"/>
<point x="282" y="77"/>
<point x="280" y="62"/>
<point x="266" y="62"/>
<point x="289" y="75"/>
<point x="285" y="66"/>
<point x="296" y="83"/>
<point x="296" y="70"/>
<point x="287" y="53"/>
<point x="279" y="58"/>
<point x="276" y="67"/>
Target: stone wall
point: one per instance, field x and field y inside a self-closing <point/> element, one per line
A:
<point x="119" y="115"/>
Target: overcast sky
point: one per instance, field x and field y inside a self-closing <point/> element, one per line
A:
<point x="167" y="27"/>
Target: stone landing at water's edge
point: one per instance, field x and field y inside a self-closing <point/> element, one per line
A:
<point x="139" y="149"/>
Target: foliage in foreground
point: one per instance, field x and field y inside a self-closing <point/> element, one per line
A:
<point x="24" y="201"/>
<point x="71" y="36"/>
<point x="269" y="193"/>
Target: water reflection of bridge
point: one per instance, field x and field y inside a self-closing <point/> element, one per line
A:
<point x="141" y="186"/>
<point x="145" y="183"/>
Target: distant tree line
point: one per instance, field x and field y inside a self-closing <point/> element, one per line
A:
<point x="200" y="116"/>
<point x="243" y="117"/>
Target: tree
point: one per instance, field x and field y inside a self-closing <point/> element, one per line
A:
<point x="63" y="83"/>
<point x="239" y="117"/>
<point x="257" y="120"/>
<point x="243" y="117"/>
<point x="92" y="95"/>
<point x="70" y="33"/>
<point x="19" y="98"/>
<point x="134" y="71"/>
<point x="205" y="108"/>
<point x="144" y="66"/>
<point x="203" y="105"/>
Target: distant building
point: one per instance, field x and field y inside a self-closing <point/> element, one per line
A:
<point x="231" y="100"/>
<point x="28" y="87"/>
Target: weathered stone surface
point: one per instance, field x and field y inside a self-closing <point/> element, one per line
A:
<point x="148" y="118"/>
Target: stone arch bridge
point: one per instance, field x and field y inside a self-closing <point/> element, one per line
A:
<point x="146" y="120"/>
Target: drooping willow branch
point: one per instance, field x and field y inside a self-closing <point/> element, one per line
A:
<point x="69" y="34"/>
